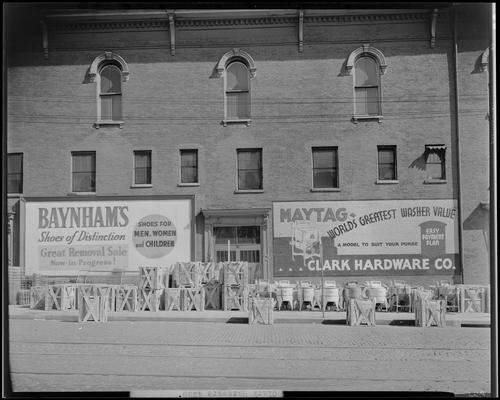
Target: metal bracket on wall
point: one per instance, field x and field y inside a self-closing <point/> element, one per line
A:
<point x="301" y="31"/>
<point x="45" y="39"/>
<point x="433" y="27"/>
<point x="171" y="22"/>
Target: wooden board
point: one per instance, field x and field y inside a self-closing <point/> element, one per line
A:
<point x="126" y="298"/>
<point x="360" y="311"/>
<point x="38" y="297"/>
<point x="235" y="298"/>
<point x="149" y="300"/>
<point x="93" y="303"/>
<point x="235" y="273"/>
<point x="261" y="311"/>
<point x="151" y="278"/>
<point x="213" y="296"/>
<point x="193" y="299"/>
<point x="173" y="299"/>
<point x="430" y="312"/>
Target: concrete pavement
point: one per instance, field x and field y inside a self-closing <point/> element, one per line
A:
<point x="141" y="355"/>
<point x="221" y="316"/>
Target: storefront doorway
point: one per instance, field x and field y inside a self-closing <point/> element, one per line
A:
<point x="242" y="243"/>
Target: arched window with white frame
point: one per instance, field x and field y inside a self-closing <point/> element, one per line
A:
<point x="110" y="93"/>
<point x="237" y="86"/>
<point x="238" y="68"/>
<point x="367" y="65"/>
<point x="366" y="87"/>
<point x="109" y="71"/>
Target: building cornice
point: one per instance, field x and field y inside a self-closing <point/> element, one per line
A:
<point x="161" y="21"/>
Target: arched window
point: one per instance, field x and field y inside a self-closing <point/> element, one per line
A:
<point x="110" y="93"/>
<point x="108" y="71"/>
<point x="237" y="67"/>
<point x="366" y="87"/>
<point x="237" y="91"/>
<point x="368" y="64"/>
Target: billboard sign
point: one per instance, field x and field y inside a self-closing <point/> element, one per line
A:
<point x="370" y="237"/>
<point x="64" y="237"/>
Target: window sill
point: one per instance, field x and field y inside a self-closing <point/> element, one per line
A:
<point x="14" y="194"/>
<point x="225" y="122"/>
<point x="435" y="181"/>
<point x="82" y="194"/>
<point x="325" y="190"/>
<point x="98" y="124"/>
<point x="387" y="182"/>
<point x="141" y="186"/>
<point x="243" y="191"/>
<point x="357" y="118"/>
<point x="194" y="184"/>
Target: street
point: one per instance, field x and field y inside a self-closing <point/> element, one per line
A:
<point x="50" y="355"/>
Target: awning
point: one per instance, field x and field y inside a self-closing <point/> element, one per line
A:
<point x="436" y="147"/>
<point x="235" y="212"/>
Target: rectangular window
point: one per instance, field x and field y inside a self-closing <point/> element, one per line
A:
<point x="387" y="163"/>
<point x="325" y="167"/>
<point x="189" y="166"/>
<point x="83" y="171"/>
<point x="142" y="167"/>
<point x="249" y="169"/>
<point x="435" y="162"/>
<point x="15" y="173"/>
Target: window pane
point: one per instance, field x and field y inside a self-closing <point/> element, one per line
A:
<point x="143" y="176"/>
<point x="249" y="179"/>
<point x="15" y="163"/>
<point x="224" y="233"/>
<point x="367" y="101"/>
<point x="248" y="234"/>
<point x="386" y="156"/>
<point x="83" y="182"/>
<point x="324" y="158"/>
<point x="117" y="107"/>
<point x="238" y="105"/>
<point x="106" y="107"/>
<point x="142" y="159"/>
<point x="386" y="171"/>
<point x="111" y="79"/>
<point x="325" y="178"/>
<point x="237" y="76"/>
<point x="250" y="159"/>
<point x="15" y="183"/>
<point x="189" y="158"/>
<point x="434" y="171"/>
<point x="366" y="72"/>
<point x="83" y="162"/>
<point x="189" y="175"/>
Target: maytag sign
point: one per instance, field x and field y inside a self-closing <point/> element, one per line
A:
<point x="372" y="237"/>
<point x="65" y="237"/>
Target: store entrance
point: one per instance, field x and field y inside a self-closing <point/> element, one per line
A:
<point x="243" y="244"/>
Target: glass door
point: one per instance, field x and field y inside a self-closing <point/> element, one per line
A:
<point x="242" y="243"/>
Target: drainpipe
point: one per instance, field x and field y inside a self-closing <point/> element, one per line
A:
<point x="459" y="181"/>
<point x="493" y="206"/>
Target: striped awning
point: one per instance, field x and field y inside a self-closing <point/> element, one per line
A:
<point x="437" y="147"/>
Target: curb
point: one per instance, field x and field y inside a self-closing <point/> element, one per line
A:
<point x="244" y="320"/>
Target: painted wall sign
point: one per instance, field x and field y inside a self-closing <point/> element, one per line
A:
<point x="375" y="237"/>
<point x="64" y="237"/>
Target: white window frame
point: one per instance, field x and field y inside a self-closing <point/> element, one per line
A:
<point x="94" y="75"/>
<point x="366" y="51"/>
<point x="142" y="185"/>
<point x="443" y="165"/>
<point x="189" y="184"/>
<point x="388" y="181"/>
<point x="328" y="189"/>
<point x="261" y="190"/>
<point x="71" y="175"/>
<point x="236" y="55"/>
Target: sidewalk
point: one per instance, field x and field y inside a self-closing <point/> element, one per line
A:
<point x="221" y="316"/>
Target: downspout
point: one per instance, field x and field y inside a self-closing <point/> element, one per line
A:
<point x="493" y="206"/>
<point x="457" y="125"/>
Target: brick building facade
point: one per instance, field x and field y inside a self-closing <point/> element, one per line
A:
<point x="291" y="126"/>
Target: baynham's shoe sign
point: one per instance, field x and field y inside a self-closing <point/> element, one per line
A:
<point x="64" y="237"/>
<point x="372" y="237"/>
